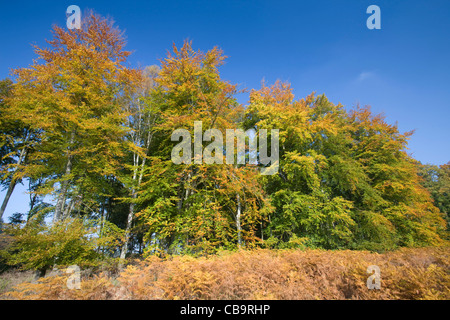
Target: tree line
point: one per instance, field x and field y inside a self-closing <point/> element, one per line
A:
<point x="91" y="137"/>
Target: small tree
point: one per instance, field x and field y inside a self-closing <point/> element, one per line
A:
<point x="71" y="96"/>
<point x="38" y="246"/>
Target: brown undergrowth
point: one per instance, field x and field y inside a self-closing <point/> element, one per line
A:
<point x="421" y="273"/>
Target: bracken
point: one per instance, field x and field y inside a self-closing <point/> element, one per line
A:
<point x="420" y="273"/>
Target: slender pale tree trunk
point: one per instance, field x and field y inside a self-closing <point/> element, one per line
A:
<point x="141" y="128"/>
<point x="124" y="250"/>
<point x="102" y="225"/>
<point x="262" y="233"/>
<point x="13" y="182"/>
<point x="238" y="220"/>
<point x="9" y="192"/>
<point x="59" y="208"/>
<point x="136" y="186"/>
<point x="68" y="209"/>
<point x="33" y="199"/>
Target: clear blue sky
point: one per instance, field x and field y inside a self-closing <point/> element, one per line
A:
<point x="402" y="70"/>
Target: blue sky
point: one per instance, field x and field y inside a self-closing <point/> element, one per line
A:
<point x="402" y="70"/>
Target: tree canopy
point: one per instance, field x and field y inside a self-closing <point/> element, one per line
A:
<point x="95" y="136"/>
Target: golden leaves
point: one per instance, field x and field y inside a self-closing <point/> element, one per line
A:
<point x="263" y="274"/>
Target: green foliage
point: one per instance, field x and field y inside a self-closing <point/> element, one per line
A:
<point x="345" y="179"/>
<point x="96" y="136"/>
<point x="71" y="96"/>
<point x="436" y="179"/>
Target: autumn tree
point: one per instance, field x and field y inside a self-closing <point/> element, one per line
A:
<point x="436" y="179"/>
<point x="15" y="143"/>
<point x="195" y="206"/>
<point x="40" y="247"/>
<point x="71" y="97"/>
<point x="397" y="210"/>
<point x="142" y="119"/>
<point x="145" y="155"/>
<point x="345" y="179"/>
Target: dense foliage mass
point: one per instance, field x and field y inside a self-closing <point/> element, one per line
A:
<point x="92" y="138"/>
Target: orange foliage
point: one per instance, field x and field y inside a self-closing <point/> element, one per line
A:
<point x="264" y="274"/>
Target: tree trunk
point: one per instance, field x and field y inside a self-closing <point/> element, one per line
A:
<point x="40" y="273"/>
<point x="65" y="184"/>
<point x="124" y="250"/>
<point x="11" y="187"/>
<point x="33" y="199"/>
<point x="102" y="224"/>
<point x="262" y="232"/>
<point x="13" y="182"/>
<point x="68" y="209"/>
<point x="238" y="220"/>
<point x="62" y="193"/>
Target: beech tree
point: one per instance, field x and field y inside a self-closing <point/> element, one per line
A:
<point x="71" y="96"/>
<point x="142" y="119"/>
<point x="197" y="207"/>
<point x="99" y="137"/>
<point x="436" y="179"/>
<point x="345" y="179"/>
<point x="16" y="143"/>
